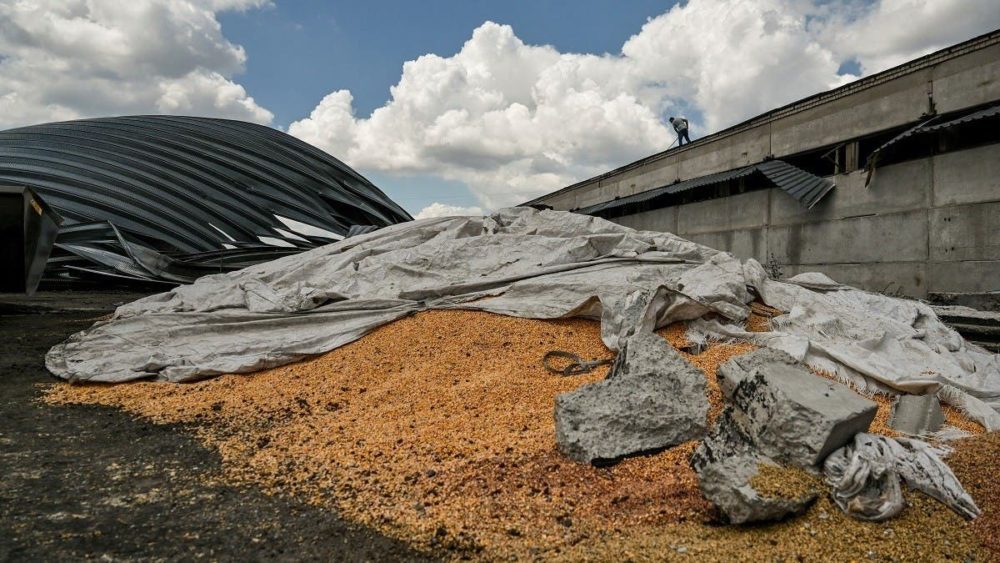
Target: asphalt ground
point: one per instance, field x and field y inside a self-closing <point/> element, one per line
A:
<point x="86" y="482"/>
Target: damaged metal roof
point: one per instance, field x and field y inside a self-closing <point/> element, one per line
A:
<point x="930" y="126"/>
<point x="993" y="111"/>
<point x="804" y="186"/>
<point x="674" y="188"/>
<point x="166" y="198"/>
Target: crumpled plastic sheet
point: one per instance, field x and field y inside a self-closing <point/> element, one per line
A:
<point x="533" y="264"/>
<point x="519" y="262"/>
<point x="874" y="342"/>
<point x="865" y="477"/>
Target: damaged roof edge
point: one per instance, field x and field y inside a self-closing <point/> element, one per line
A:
<point x="807" y="188"/>
<point x="930" y="126"/>
<point x="909" y="67"/>
<point x="674" y="188"/>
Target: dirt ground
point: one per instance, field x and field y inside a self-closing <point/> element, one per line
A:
<point x="87" y="481"/>
<point x="93" y="482"/>
<point x="437" y="429"/>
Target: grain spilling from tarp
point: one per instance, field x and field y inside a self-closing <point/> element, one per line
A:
<point x="438" y="429"/>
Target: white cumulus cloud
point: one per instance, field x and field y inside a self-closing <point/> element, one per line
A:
<point x="510" y="120"/>
<point x="445" y="210"/>
<point x="80" y="58"/>
<point x="883" y="34"/>
<point x="513" y="121"/>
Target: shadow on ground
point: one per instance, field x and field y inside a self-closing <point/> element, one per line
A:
<point x="92" y="482"/>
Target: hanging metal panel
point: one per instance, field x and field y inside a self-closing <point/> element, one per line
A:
<point x="804" y="186"/>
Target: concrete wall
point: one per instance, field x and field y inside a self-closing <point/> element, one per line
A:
<point x="958" y="81"/>
<point x="928" y="225"/>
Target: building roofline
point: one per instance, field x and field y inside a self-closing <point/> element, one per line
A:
<point x="931" y="59"/>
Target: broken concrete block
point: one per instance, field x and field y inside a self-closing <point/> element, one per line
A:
<point x="738" y="368"/>
<point x="651" y="399"/>
<point x="796" y="417"/>
<point x="726" y="463"/>
<point x="781" y="414"/>
<point x="916" y="414"/>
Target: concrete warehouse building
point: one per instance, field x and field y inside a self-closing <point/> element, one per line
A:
<point x="890" y="183"/>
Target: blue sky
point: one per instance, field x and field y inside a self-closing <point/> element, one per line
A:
<point x="460" y="106"/>
<point x="299" y="51"/>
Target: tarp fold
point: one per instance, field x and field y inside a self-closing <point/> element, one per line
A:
<point x="533" y="264"/>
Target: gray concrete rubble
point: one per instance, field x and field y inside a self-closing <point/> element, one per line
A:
<point x="796" y="417"/>
<point x="731" y="373"/>
<point x="779" y="414"/>
<point x="652" y="399"/>
<point x="916" y="414"/>
<point x="726" y="462"/>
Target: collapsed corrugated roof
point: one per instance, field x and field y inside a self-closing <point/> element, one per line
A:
<point x="168" y="198"/>
<point x="930" y="126"/>
<point x="804" y="186"/>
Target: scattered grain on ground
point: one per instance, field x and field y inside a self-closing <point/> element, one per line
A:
<point x="974" y="462"/>
<point x="774" y="481"/>
<point x="760" y="309"/>
<point x="925" y="531"/>
<point x="438" y="429"/>
<point x="758" y="323"/>
<point x="709" y="361"/>
<point x="954" y="417"/>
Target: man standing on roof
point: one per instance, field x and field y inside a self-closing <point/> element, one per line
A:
<point x="681" y="126"/>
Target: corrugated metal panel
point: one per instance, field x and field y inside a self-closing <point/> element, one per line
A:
<point x="930" y="126"/>
<point x="989" y="112"/>
<point x="904" y="135"/>
<point x="186" y="185"/>
<point x="806" y="187"/>
<point x="675" y="188"/>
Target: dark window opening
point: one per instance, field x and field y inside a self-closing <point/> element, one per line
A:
<point x="968" y="135"/>
<point x="913" y="142"/>
<point x="734" y="186"/>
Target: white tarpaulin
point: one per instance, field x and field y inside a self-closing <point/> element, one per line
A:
<point x="865" y="476"/>
<point x="525" y="263"/>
